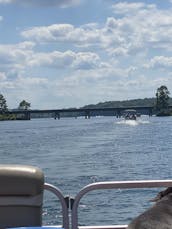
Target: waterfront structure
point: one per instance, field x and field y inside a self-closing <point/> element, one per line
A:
<point x="58" y="113"/>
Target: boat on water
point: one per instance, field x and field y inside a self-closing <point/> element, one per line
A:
<point x="130" y="114"/>
<point x="22" y="192"/>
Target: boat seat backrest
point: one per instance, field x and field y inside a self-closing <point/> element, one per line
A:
<point x="21" y="196"/>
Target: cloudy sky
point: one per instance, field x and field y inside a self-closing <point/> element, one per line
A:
<point x="70" y="53"/>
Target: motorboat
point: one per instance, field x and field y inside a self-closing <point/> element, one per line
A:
<point x="130" y="114"/>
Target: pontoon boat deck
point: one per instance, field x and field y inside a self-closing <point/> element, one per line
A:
<point x="21" y="198"/>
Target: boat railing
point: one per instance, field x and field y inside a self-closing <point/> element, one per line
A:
<point x="64" y="203"/>
<point x="112" y="185"/>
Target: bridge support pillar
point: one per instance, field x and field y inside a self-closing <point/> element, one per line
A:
<point x="87" y="115"/>
<point x="56" y="115"/>
<point x="118" y="114"/>
<point x="27" y="116"/>
<point x="150" y="112"/>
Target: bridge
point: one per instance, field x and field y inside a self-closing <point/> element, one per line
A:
<point x="87" y="112"/>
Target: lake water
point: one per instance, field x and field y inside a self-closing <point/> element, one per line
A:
<point x="75" y="152"/>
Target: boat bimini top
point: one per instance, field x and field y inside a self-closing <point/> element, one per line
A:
<point x="21" y="197"/>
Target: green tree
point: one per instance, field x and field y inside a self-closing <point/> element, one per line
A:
<point x="162" y="100"/>
<point x="3" y="104"/>
<point x="24" y="105"/>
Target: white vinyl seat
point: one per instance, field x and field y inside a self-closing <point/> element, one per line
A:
<point x="21" y="196"/>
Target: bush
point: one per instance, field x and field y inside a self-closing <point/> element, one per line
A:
<point x="5" y="117"/>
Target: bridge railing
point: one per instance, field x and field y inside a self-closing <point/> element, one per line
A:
<point x="87" y="112"/>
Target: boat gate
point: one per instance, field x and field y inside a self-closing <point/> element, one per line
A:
<point x="73" y="203"/>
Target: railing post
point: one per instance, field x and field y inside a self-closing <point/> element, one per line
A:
<point x="63" y="202"/>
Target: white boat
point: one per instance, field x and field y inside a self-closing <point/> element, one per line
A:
<point x="130" y="114"/>
<point x="21" y="198"/>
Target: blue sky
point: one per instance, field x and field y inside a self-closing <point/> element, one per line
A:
<point x="70" y="53"/>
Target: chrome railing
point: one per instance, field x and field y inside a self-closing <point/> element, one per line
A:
<point x="112" y="185"/>
<point x="64" y="204"/>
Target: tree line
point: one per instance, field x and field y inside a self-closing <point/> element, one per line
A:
<point x="160" y="103"/>
<point x="23" y="105"/>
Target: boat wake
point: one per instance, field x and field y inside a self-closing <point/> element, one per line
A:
<point x="132" y="122"/>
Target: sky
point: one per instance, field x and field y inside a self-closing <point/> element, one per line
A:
<point x="70" y="53"/>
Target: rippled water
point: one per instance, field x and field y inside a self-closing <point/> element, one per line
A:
<point x="76" y="152"/>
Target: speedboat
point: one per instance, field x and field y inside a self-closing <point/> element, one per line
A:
<point x="130" y="115"/>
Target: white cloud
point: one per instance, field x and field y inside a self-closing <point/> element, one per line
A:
<point x="143" y="27"/>
<point x="49" y="33"/>
<point x="160" y="62"/>
<point x="129" y="8"/>
<point x="68" y="59"/>
<point x="15" y="55"/>
<point x="20" y="59"/>
<point x="2" y="76"/>
<point x="63" y="33"/>
<point x="57" y="3"/>
<point x="86" y="60"/>
<point x="24" y="82"/>
<point x="14" y="62"/>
